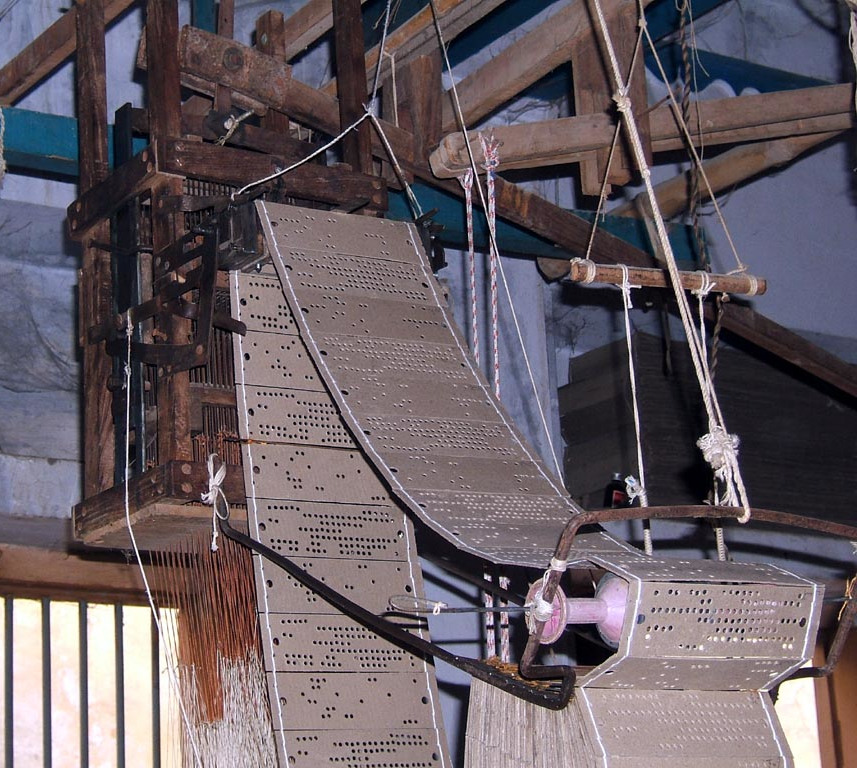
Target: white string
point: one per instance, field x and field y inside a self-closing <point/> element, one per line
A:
<point x="372" y="100"/>
<point x="718" y="445"/>
<point x="493" y="241"/>
<point x="155" y="615"/>
<point x="215" y="491"/>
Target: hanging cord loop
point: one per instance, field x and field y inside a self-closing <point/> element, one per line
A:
<point x="215" y="491"/>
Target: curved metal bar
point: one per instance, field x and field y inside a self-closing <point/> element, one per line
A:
<point x="556" y="697"/>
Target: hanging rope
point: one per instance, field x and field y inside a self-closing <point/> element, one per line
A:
<point x="215" y="492"/>
<point x="466" y="181"/>
<point x="491" y="153"/>
<point x="718" y="446"/>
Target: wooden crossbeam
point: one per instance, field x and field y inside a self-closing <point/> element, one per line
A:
<point x="307" y="25"/>
<point x="47" y="52"/>
<point x="755" y="117"/>
<point x="531" y="57"/>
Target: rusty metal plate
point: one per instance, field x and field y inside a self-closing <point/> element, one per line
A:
<point x="294" y="416"/>
<point x="400" y="699"/>
<point x="320" y="529"/>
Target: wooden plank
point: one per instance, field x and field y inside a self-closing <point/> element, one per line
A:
<point x="47" y="52"/>
<point x="788" y="346"/>
<point x="808" y="111"/>
<point x="416" y="103"/>
<point x="202" y="55"/>
<point x="531" y="57"/>
<point x="336" y="185"/>
<point x="351" y="73"/>
<point x="728" y="169"/>
<point x="95" y="274"/>
<point x="271" y="40"/>
<point x="307" y="25"/>
<point x="418" y="36"/>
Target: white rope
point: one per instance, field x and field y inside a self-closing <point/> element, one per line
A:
<point x="215" y="492"/>
<point x="377" y="80"/>
<point x="463" y="127"/>
<point x="724" y="445"/>
<point x="174" y="682"/>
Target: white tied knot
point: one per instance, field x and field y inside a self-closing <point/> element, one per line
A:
<point x="635" y="490"/>
<point x="623" y="101"/>
<point x="542" y="610"/>
<point x="590" y="268"/>
<point x="706" y="284"/>
<point x="215" y="490"/>
<point x="719" y="448"/>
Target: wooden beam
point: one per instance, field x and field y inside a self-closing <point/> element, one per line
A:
<point x="307" y="25"/>
<point x="728" y="169"/>
<point x="95" y="274"/>
<point x="416" y="104"/>
<point x="418" y="36"/>
<point x="351" y="72"/>
<point x="531" y="57"/>
<point x="271" y="40"/>
<point x="337" y="186"/>
<point x="807" y="111"/>
<point x="210" y="59"/>
<point x="47" y="52"/>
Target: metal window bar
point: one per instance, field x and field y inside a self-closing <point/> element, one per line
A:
<point x="49" y="641"/>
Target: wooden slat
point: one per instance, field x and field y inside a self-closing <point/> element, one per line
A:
<point x="338" y="186"/>
<point x="271" y="40"/>
<point x="95" y="273"/>
<point x="723" y="172"/>
<point x="351" y="72"/>
<point x="531" y="57"/>
<point x="807" y="111"/>
<point x="47" y="52"/>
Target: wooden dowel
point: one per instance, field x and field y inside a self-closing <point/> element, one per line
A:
<point x="585" y="271"/>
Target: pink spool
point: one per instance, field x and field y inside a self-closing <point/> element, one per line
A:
<point x="606" y="610"/>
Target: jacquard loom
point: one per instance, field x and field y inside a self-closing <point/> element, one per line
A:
<point x="267" y="340"/>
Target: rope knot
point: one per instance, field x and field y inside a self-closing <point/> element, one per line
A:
<point x="466" y="180"/>
<point x="635" y="490"/>
<point x="706" y="286"/>
<point x="491" y="153"/>
<point x="719" y="448"/>
<point x="590" y="268"/>
<point x="215" y="490"/>
<point x="623" y="101"/>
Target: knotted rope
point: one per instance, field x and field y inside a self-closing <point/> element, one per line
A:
<point x="491" y="153"/>
<point x="466" y="181"/>
<point x="215" y="492"/>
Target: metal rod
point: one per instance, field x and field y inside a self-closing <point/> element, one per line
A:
<point x="47" y="752"/>
<point x="119" y="644"/>
<point x="8" y="679"/>
<point x="83" y="672"/>
<point x="156" y="694"/>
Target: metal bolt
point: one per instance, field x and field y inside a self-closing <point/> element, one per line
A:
<point x="233" y="59"/>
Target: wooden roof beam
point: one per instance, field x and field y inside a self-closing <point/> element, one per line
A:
<point x="47" y="52"/>
<point x="531" y="57"/>
<point x="306" y="25"/>
<point x="808" y="111"/>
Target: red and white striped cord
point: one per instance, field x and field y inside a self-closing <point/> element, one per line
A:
<point x="491" y="153"/>
<point x="466" y="181"/>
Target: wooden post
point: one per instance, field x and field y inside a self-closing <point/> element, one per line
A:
<point x="593" y="93"/>
<point x="162" y="29"/>
<point x="95" y="280"/>
<point x="271" y="39"/>
<point x="351" y="76"/>
<point x="416" y="102"/>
